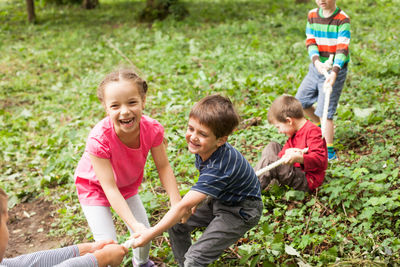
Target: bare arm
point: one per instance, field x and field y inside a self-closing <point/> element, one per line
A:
<point x="104" y="173"/>
<point x="172" y="217"/>
<point x="106" y="252"/>
<point x="165" y="173"/>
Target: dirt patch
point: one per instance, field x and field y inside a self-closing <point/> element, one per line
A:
<point x="29" y="225"/>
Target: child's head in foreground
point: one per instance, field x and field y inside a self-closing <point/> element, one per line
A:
<point x="284" y="113"/>
<point x="3" y="223"/>
<point x="211" y="121"/>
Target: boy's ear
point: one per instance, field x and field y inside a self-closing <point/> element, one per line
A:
<point x="289" y="120"/>
<point x="222" y="140"/>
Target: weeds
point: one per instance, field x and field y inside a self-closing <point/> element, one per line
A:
<point x="251" y="51"/>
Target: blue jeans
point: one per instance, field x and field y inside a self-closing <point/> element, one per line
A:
<point x="311" y="91"/>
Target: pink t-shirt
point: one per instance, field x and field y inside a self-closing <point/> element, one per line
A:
<point x="127" y="163"/>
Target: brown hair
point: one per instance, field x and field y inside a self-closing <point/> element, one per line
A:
<point x="283" y="107"/>
<point x="3" y="203"/>
<point x="119" y="75"/>
<point x="217" y="113"/>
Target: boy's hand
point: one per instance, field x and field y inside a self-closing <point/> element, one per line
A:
<point x="321" y="67"/>
<point x="110" y="255"/>
<point x="92" y="247"/>
<point x="293" y="155"/>
<point x="142" y="238"/>
<point x="331" y="79"/>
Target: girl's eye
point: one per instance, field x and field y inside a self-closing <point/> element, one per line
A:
<point x="132" y="102"/>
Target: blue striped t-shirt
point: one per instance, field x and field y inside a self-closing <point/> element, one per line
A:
<point x="227" y="176"/>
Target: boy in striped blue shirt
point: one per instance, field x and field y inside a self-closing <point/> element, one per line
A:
<point x="226" y="198"/>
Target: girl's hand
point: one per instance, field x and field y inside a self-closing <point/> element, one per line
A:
<point x="187" y="215"/>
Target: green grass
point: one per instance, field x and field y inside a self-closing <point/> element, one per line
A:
<point x="251" y="51"/>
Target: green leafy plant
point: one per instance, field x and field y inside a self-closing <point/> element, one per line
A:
<point x="251" y="51"/>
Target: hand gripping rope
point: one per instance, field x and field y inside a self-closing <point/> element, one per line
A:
<point x="276" y="164"/>
<point x="327" y="90"/>
<point x="129" y="243"/>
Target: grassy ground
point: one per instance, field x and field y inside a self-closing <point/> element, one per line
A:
<point x="251" y="51"/>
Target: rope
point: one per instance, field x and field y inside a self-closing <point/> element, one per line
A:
<point x="276" y="164"/>
<point x="129" y="243"/>
<point x="327" y="90"/>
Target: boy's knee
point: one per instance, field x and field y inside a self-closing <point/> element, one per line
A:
<point x="273" y="148"/>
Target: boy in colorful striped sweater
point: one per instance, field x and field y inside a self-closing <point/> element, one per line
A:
<point x="328" y="33"/>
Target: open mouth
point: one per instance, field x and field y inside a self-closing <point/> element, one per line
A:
<point x="126" y="122"/>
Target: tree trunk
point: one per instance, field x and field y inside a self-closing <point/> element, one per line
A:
<point x="90" y="4"/>
<point x="160" y="9"/>
<point x="31" y="10"/>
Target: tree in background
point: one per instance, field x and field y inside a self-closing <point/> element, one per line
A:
<point x="155" y="9"/>
<point x="160" y="9"/>
<point x="90" y="4"/>
<point x="30" y="6"/>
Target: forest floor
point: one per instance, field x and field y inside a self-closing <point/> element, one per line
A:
<point x="29" y="224"/>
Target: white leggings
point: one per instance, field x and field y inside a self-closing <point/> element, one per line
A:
<point x="100" y="222"/>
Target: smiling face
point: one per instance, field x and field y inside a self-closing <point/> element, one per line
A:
<point x="326" y="4"/>
<point x="3" y="227"/>
<point x="288" y="128"/>
<point x="124" y="104"/>
<point x="201" y="140"/>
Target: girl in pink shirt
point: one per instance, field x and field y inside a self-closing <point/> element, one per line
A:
<point x="111" y="168"/>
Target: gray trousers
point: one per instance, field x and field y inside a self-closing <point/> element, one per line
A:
<point x="225" y="224"/>
<point x="285" y="174"/>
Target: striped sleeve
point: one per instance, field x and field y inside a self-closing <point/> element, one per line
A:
<point x="328" y="36"/>
<point x="343" y="41"/>
<point x="88" y="260"/>
<point x="54" y="257"/>
<point x="311" y="42"/>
